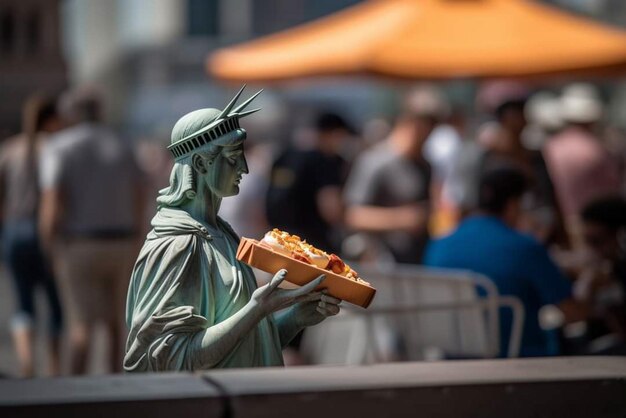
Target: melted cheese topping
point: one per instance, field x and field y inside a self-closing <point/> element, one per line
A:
<point x="287" y="244"/>
<point x="319" y="260"/>
<point x="274" y="243"/>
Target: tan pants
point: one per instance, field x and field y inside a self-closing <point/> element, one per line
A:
<point x="93" y="277"/>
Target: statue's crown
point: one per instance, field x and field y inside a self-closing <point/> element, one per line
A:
<point x="224" y="126"/>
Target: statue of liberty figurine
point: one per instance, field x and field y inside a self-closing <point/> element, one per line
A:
<point x="191" y="304"/>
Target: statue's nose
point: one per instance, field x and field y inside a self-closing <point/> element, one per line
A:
<point x="244" y="166"/>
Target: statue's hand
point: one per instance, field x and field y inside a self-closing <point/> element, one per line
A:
<point x="270" y="298"/>
<point x="313" y="312"/>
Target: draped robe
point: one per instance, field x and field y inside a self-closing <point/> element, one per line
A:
<point x="186" y="280"/>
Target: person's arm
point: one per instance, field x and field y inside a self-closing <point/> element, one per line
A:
<point x="140" y="226"/>
<point x="574" y="310"/>
<point x="363" y="213"/>
<point x="140" y="195"/>
<point x="553" y="288"/>
<point x="50" y="214"/>
<point x="330" y="204"/>
<point x="2" y="187"/>
<point x="325" y="173"/>
<point x="412" y="218"/>
<point x="50" y="206"/>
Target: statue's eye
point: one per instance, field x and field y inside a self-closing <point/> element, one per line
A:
<point x="233" y="157"/>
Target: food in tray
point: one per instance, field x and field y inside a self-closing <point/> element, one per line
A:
<point x="292" y="246"/>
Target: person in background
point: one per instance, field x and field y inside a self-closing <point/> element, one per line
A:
<point x="581" y="168"/>
<point x="91" y="211"/>
<point x="543" y="111"/>
<point x="444" y="143"/>
<point x="603" y="280"/>
<point x="304" y="195"/>
<point x="461" y="189"/>
<point x="541" y="215"/>
<point x="387" y="193"/>
<point x="442" y="151"/>
<point x="19" y="207"/>
<point x="518" y="264"/>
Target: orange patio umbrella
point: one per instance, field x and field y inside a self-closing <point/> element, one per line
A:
<point x="431" y="39"/>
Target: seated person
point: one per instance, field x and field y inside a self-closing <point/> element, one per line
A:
<point x="519" y="266"/>
<point x="602" y="282"/>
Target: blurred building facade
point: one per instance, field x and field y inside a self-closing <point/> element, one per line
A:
<point x="610" y="11"/>
<point x="31" y="56"/>
<point x="150" y="54"/>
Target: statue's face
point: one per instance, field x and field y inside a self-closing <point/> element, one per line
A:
<point x="226" y="170"/>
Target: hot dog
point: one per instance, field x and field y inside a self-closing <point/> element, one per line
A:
<point x="293" y="246"/>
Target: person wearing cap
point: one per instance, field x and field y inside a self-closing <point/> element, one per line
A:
<point x="191" y="304"/>
<point x="387" y="193"/>
<point x="579" y="165"/>
<point x="90" y="219"/>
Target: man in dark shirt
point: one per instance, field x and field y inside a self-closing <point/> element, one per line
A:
<point x="304" y="197"/>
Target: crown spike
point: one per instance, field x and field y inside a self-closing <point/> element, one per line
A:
<point x="230" y="105"/>
<point x="246" y="103"/>
<point x="247" y="112"/>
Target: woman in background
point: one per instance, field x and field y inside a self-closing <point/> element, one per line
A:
<point x="19" y="204"/>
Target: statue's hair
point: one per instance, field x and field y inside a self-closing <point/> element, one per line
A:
<point x="183" y="179"/>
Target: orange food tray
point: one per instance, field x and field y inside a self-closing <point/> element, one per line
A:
<point x="300" y="273"/>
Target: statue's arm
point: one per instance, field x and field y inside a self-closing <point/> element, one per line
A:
<point x="210" y="346"/>
<point x="167" y="333"/>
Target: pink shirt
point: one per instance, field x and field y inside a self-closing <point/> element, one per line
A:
<point x="581" y="169"/>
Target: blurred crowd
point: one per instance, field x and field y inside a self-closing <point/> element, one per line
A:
<point x="527" y="189"/>
<point x="71" y="198"/>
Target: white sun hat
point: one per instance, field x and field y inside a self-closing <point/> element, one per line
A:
<point x="581" y="103"/>
<point x="544" y="109"/>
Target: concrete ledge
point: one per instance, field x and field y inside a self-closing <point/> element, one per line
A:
<point x="156" y="395"/>
<point x="551" y="387"/>
<point x="555" y="387"/>
<point x="420" y="374"/>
